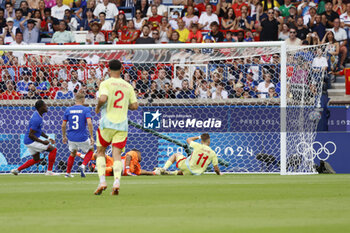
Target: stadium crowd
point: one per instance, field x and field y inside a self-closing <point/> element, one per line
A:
<point x="307" y="22"/>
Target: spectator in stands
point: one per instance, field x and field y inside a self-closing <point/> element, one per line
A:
<point x="185" y="92"/>
<point x="244" y="22"/>
<point x="54" y="88"/>
<point x="74" y="85"/>
<point x="269" y="4"/>
<point x="229" y="37"/>
<point x="345" y="18"/>
<point x="110" y="9"/>
<point x="202" y="90"/>
<point x="154" y="92"/>
<point x="312" y="39"/>
<point x="318" y="26"/>
<point x="292" y="17"/>
<point x="139" y="19"/>
<point x="164" y="31"/>
<point x="9" y="32"/>
<point x="113" y="38"/>
<point x="18" y="17"/>
<point x="70" y="20"/>
<point x="155" y="36"/>
<point x="269" y="27"/>
<point x="207" y="18"/>
<point x="129" y="33"/>
<point x="23" y="83"/>
<point x="220" y="92"/>
<point x="179" y="77"/>
<point x="293" y="40"/>
<point x="43" y="86"/>
<point x="237" y="6"/>
<point x="18" y="41"/>
<point x="340" y="36"/>
<point x="81" y="12"/>
<point x="162" y="10"/>
<point x="250" y="84"/>
<point x="304" y="6"/>
<point x="9" y="10"/>
<point x="121" y="23"/>
<point x="2" y="19"/>
<point x="182" y="30"/>
<point x="168" y="91"/>
<point x="106" y="25"/>
<point x="58" y="10"/>
<point x="285" y="8"/>
<point x="215" y="33"/>
<point x="51" y="24"/>
<point x="332" y="51"/>
<point x="190" y="17"/>
<point x="64" y="93"/>
<point x="92" y="59"/>
<point x="272" y="93"/>
<point x="310" y="16"/>
<point x="263" y="87"/>
<point x="329" y="15"/>
<point x="155" y="18"/>
<point x="145" y="39"/>
<point x="35" y="4"/>
<point x="228" y="22"/>
<point x="302" y="30"/>
<point x="95" y="35"/>
<point x="25" y="8"/>
<point x="339" y="7"/>
<point x="173" y="20"/>
<point x="62" y="36"/>
<point x="195" y="34"/>
<point x="202" y="6"/>
<point x="10" y="93"/>
<point x="284" y="33"/>
<point x="222" y="7"/>
<point x="50" y="3"/>
<point x="85" y="22"/>
<point x="143" y="7"/>
<point x="162" y="78"/>
<point x="143" y="84"/>
<point x="31" y="30"/>
<point x="174" y="38"/>
<point x="33" y="93"/>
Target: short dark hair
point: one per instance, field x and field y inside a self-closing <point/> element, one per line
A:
<point x="115" y="65"/>
<point x="205" y="137"/>
<point x="39" y="104"/>
<point x="136" y="150"/>
<point x="19" y="9"/>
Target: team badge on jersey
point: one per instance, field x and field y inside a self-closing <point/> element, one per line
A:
<point x="152" y="120"/>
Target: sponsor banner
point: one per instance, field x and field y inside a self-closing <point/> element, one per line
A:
<point x="339" y="118"/>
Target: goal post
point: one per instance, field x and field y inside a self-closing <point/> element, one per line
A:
<point x="257" y="100"/>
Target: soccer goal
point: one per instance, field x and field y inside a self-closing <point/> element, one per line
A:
<point x="258" y="101"/>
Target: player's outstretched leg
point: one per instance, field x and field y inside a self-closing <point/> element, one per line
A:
<point x="117" y="169"/>
<point x="168" y="163"/>
<point x="52" y="158"/>
<point x="70" y="163"/>
<point x="101" y="169"/>
<point x="87" y="159"/>
<point x="29" y="163"/>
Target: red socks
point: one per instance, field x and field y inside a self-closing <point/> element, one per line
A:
<point x="70" y="163"/>
<point x="87" y="157"/>
<point x="52" y="158"/>
<point x="27" y="164"/>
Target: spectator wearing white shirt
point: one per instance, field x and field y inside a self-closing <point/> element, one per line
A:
<point x="58" y="10"/>
<point x="319" y="61"/>
<point x="161" y="9"/>
<point x="92" y="59"/>
<point x="70" y="20"/>
<point x="263" y="87"/>
<point x="340" y="36"/>
<point x="345" y="18"/>
<point x="220" y="92"/>
<point x="106" y="25"/>
<point x="207" y="18"/>
<point x="62" y="36"/>
<point x="9" y="32"/>
<point x="73" y="85"/>
<point x="110" y="9"/>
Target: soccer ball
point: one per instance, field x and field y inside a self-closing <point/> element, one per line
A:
<point x="314" y="115"/>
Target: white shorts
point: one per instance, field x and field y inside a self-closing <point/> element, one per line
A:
<point x="36" y="147"/>
<point x="83" y="146"/>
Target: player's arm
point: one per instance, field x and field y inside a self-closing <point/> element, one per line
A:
<point x="191" y="139"/>
<point x="217" y="170"/>
<point x="101" y="101"/>
<point x="64" y="132"/>
<point x="133" y="106"/>
<point x="35" y="138"/>
<point x="47" y="137"/>
<point x="91" y="131"/>
<point x="127" y="165"/>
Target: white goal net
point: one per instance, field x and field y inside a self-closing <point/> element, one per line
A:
<point x="257" y="101"/>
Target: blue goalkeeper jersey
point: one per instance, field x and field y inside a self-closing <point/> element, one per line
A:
<point x="35" y="123"/>
<point x="77" y="116"/>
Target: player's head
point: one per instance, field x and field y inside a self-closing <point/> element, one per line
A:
<point x="79" y="98"/>
<point x="205" y="138"/>
<point x="40" y="106"/>
<point x="138" y="154"/>
<point x="115" y="65"/>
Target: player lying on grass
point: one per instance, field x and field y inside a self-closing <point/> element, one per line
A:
<point x="33" y="142"/>
<point x="197" y="163"/>
<point x="78" y="116"/>
<point x="131" y="165"/>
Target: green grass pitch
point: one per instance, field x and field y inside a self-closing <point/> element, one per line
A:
<point x="208" y="203"/>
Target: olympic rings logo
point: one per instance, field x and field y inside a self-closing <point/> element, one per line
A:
<point x="316" y="149"/>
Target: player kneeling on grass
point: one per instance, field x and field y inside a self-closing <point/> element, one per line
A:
<point x="34" y="144"/>
<point x="197" y="163"/>
<point x="78" y="117"/>
<point x="131" y="165"/>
